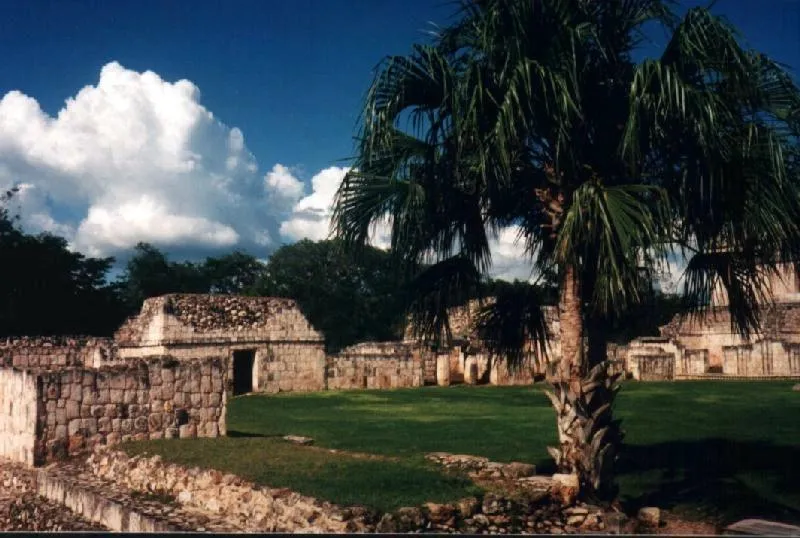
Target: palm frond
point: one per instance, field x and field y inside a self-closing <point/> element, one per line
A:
<point x="606" y="233"/>
<point x="434" y="290"/>
<point x="735" y="278"/>
<point x="512" y="320"/>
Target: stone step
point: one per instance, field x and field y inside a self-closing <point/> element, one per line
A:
<point x="118" y="508"/>
<point x="762" y="527"/>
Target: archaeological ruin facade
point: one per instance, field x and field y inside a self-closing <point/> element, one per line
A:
<point x="707" y="346"/>
<point x="169" y="371"/>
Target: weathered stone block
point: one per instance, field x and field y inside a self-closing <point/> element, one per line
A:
<point x="205" y="384"/>
<point x="76" y="443"/>
<point x="187" y="431"/>
<point x="74" y="426"/>
<point x="104" y="425"/>
<point x="89" y="425"/>
<point x="126" y="426"/>
<point x="167" y="391"/>
<point x="155" y="422"/>
<point x="116" y="382"/>
<point x="140" y="424"/>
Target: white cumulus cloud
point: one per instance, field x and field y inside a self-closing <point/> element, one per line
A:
<point x="137" y="158"/>
<point x="311" y="219"/>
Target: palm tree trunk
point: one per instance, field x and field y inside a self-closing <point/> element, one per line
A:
<point x="582" y="397"/>
<point x="571" y="321"/>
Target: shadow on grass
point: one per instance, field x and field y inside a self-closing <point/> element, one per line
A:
<point x="234" y="433"/>
<point x="720" y="479"/>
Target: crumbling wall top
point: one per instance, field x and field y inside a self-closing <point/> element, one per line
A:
<point x="377" y="350"/>
<point x="194" y="318"/>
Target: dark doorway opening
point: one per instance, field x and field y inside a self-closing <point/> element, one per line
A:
<point x="243" y="371"/>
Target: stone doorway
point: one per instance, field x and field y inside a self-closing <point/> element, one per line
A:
<point x="243" y="361"/>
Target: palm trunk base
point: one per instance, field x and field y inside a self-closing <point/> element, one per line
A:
<point x="589" y="438"/>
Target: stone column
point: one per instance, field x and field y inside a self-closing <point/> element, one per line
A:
<point x="443" y="370"/>
<point x="471" y="370"/>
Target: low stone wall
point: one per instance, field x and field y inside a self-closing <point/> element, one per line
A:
<point x="18" y="411"/>
<point x="375" y="365"/>
<point x="56" y="351"/>
<point x="655" y="367"/>
<point x="290" y="367"/>
<point x="249" y="506"/>
<point x="158" y="398"/>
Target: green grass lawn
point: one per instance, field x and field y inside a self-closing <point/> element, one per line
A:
<point x="710" y="449"/>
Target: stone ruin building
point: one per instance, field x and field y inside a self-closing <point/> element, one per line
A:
<point x="169" y="371"/>
<point x="706" y="346"/>
<point x="468" y="361"/>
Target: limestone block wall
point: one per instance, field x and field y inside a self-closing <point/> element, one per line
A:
<point x="160" y="398"/>
<point x="503" y="375"/>
<point x="18" y="411"/>
<point x="692" y="362"/>
<point x="654" y="367"/>
<point x="428" y="366"/>
<point x="287" y="366"/>
<point x="56" y="351"/>
<point x="375" y="365"/>
<point x="649" y="347"/>
<point x="764" y="358"/>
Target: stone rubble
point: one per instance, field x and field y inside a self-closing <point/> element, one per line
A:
<point x="298" y="440"/>
<point x="21" y="509"/>
<point x="480" y="467"/>
<point x="204" y="312"/>
<point x="530" y="509"/>
<point x="649" y="517"/>
<point x="241" y="503"/>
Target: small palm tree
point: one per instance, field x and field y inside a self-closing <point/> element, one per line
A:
<point x="533" y="114"/>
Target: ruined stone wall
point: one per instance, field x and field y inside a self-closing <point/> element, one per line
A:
<point x="708" y="343"/>
<point x="247" y="505"/>
<point x="428" y="366"/>
<point x="375" y="365"/>
<point x="18" y="411"/>
<point x="633" y="353"/>
<point x="504" y="375"/>
<point x="655" y="367"/>
<point x="215" y="319"/>
<point x="56" y="351"/>
<point x="288" y="367"/>
<point x="159" y="398"/>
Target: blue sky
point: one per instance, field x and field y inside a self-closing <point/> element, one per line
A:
<point x="286" y="76"/>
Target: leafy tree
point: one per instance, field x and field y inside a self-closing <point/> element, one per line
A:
<point x="47" y="289"/>
<point x="534" y="113"/>
<point x="235" y="273"/>
<point x="349" y="299"/>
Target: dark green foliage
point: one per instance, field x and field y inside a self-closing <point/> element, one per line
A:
<point x="47" y="289"/>
<point x="149" y="273"/>
<point x="349" y="298"/>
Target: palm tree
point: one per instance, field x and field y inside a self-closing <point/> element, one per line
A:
<point x="534" y="114"/>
